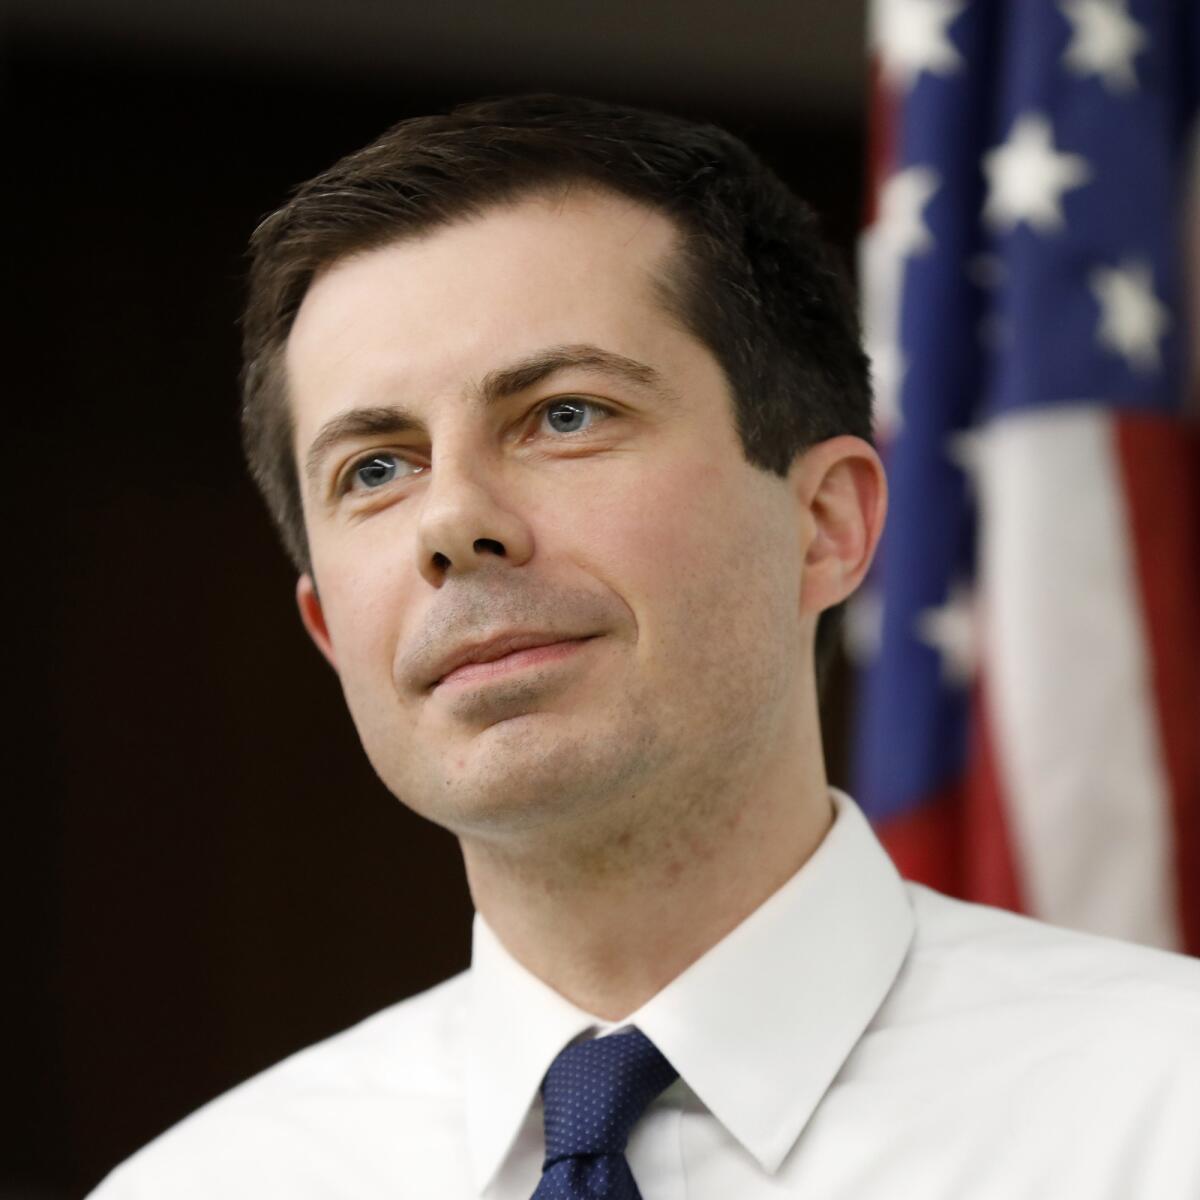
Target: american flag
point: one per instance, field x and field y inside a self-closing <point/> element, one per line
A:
<point x="1028" y="731"/>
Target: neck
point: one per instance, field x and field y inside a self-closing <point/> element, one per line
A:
<point x="609" y="915"/>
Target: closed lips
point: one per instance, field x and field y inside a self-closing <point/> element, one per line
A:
<point x="496" y="648"/>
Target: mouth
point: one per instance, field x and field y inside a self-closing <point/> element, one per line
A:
<point x="522" y="659"/>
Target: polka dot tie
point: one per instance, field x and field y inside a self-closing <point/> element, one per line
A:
<point x="595" y="1092"/>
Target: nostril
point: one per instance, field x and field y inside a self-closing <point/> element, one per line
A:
<point x="488" y="545"/>
<point x="440" y="560"/>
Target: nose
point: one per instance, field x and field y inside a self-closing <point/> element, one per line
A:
<point x="464" y="525"/>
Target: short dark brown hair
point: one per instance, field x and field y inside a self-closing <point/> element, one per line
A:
<point x="753" y="280"/>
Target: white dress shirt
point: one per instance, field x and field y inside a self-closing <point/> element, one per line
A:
<point x="855" y="1038"/>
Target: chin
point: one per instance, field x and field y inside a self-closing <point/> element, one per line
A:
<point x="517" y="776"/>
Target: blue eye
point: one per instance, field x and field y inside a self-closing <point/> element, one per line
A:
<point x="378" y="469"/>
<point x="570" y="416"/>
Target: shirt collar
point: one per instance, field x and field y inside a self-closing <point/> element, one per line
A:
<point x="757" y="1027"/>
<point x="516" y="1027"/>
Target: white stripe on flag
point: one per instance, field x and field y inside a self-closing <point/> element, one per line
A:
<point x="1069" y="681"/>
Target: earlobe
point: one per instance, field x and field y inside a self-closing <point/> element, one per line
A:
<point x="312" y="616"/>
<point x="842" y="491"/>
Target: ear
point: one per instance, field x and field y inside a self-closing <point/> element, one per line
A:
<point x="312" y="615"/>
<point x="841" y="491"/>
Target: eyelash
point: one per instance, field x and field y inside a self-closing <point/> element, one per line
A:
<point x="346" y="482"/>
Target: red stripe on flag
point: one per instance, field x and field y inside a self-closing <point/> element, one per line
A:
<point x="924" y="842"/>
<point x="881" y="139"/>
<point x="1160" y="461"/>
<point x="958" y="841"/>
<point x="989" y="861"/>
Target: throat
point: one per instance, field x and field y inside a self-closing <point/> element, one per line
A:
<point x="609" y="927"/>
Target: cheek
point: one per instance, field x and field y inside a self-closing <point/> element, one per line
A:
<point x="644" y="524"/>
<point x="690" y="550"/>
<point x="363" y="602"/>
<point x="707" y="562"/>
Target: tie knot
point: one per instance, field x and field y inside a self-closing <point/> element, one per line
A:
<point x="595" y="1092"/>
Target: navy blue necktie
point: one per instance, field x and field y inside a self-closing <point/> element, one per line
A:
<point x="595" y="1092"/>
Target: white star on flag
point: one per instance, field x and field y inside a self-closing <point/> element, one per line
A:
<point x="1104" y="40"/>
<point x="862" y="632"/>
<point x="898" y="231"/>
<point x="964" y="448"/>
<point x="1132" y="319"/>
<point x="910" y="36"/>
<point x="902" y="202"/>
<point x="887" y="378"/>
<point x="950" y="630"/>
<point x="1027" y="177"/>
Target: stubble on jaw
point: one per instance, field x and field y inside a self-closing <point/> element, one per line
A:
<point x="640" y="804"/>
<point x="547" y="792"/>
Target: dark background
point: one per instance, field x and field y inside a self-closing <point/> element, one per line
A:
<point x="204" y="873"/>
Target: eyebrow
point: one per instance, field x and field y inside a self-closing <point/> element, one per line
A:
<point x="392" y="420"/>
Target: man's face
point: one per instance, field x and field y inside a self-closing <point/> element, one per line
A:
<point x="566" y="470"/>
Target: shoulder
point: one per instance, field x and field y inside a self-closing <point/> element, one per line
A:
<point x="1064" y="1061"/>
<point x="1020" y="959"/>
<point x="1022" y="998"/>
<point x="399" y="1069"/>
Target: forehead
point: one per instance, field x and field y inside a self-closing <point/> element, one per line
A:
<point x="429" y="315"/>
